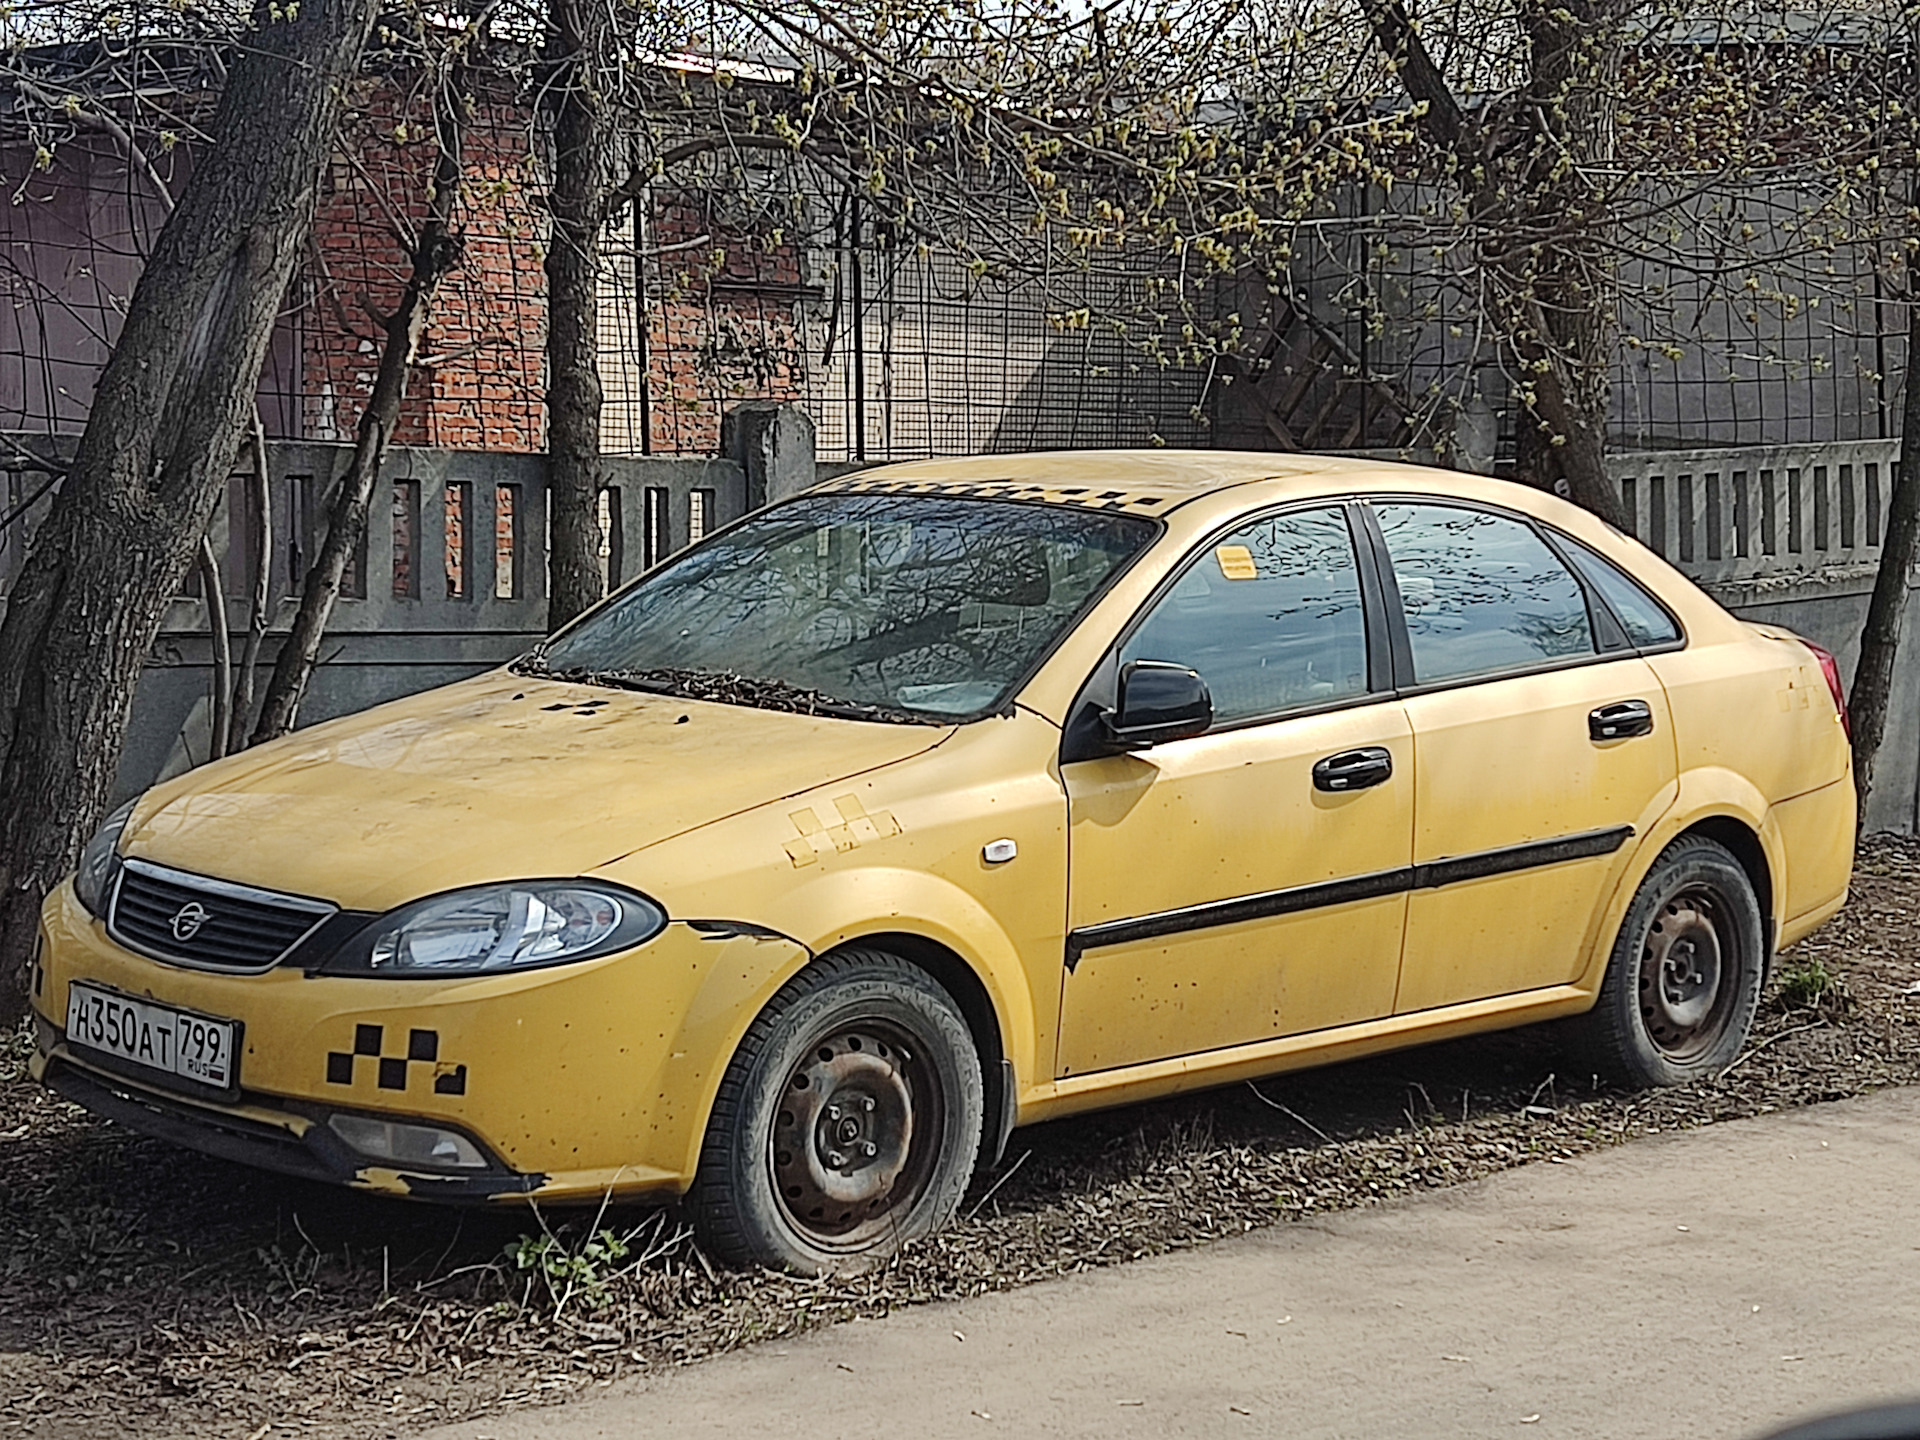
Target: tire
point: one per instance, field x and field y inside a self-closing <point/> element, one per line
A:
<point x="1684" y="979"/>
<point x="847" y="1123"/>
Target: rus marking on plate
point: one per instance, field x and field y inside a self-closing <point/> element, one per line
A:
<point x="855" y="825"/>
<point x="393" y="1071"/>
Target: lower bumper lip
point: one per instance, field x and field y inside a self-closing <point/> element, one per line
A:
<point x="316" y="1154"/>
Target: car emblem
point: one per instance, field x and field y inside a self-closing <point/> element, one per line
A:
<point x="188" y="919"/>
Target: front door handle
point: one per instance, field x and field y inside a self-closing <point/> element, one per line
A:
<point x="1620" y="721"/>
<point x="1353" y="769"/>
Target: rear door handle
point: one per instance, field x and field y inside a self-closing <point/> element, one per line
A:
<point x="1353" y="769"/>
<point x="1620" y="721"/>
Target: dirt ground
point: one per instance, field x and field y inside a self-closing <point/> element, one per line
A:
<point x="145" y="1290"/>
<point x="1672" y="1287"/>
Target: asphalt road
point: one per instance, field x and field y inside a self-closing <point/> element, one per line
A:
<point x="1709" y="1284"/>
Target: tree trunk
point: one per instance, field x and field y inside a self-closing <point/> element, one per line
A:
<point x="1565" y="302"/>
<point x="260" y="606"/>
<point x="1576" y="440"/>
<point x="219" y="720"/>
<point x="1880" y="640"/>
<point x="583" y="139"/>
<point x="1527" y="180"/>
<point x="167" y="420"/>
<point x="435" y="251"/>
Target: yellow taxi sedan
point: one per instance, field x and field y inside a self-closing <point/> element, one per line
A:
<point x="952" y="796"/>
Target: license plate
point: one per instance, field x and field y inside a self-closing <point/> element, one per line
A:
<point x="155" y="1037"/>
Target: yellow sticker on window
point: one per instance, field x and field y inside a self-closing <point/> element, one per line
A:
<point x="1236" y="562"/>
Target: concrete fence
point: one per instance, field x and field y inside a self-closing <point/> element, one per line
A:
<point x="1790" y="535"/>
<point x="1736" y="515"/>
<point x="450" y="579"/>
<point x="452" y="576"/>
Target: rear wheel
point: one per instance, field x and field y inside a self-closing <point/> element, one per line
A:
<point x="1684" y="979"/>
<point x="848" y="1122"/>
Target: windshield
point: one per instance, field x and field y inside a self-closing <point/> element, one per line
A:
<point x="878" y="606"/>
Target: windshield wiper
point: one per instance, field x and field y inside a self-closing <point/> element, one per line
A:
<point x="724" y="688"/>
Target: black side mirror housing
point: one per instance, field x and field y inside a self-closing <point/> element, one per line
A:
<point x="1158" y="702"/>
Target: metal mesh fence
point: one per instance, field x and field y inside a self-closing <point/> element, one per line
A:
<point x="964" y="335"/>
<point x="72" y="243"/>
<point x="897" y="346"/>
<point x="916" y="354"/>
<point x="83" y="219"/>
<point x="1797" y="343"/>
<point x="1761" y="316"/>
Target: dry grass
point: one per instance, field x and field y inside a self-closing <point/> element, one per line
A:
<point x="146" y="1290"/>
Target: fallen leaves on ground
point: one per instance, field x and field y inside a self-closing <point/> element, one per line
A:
<point x="146" y="1290"/>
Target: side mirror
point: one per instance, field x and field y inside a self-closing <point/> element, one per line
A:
<point x="1159" y="701"/>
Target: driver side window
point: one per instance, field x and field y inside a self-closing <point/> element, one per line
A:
<point x="1270" y="616"/>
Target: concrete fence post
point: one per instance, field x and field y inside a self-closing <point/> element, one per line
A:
<point x="773" y="443"/>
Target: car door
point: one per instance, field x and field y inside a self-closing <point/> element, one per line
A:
<point x="1220" y="892"/>
<point x="1543" y="745"/>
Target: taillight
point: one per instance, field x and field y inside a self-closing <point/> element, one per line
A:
<point x="1830" y="668"/>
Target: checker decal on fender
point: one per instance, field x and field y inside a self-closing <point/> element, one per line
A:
<point x="852" y="826"/>
<point x="394" y="1072"/>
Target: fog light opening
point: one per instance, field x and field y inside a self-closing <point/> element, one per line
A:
<point x="402" y="1144"/>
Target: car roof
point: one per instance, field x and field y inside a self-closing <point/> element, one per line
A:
<point x="1198" y="489"/>
<point x="1142" y="482"/>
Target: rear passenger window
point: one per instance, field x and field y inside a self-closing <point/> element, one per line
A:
<point x="1481" y="592"/>
<point x="1644" y="618"/>
<point x="1270" y="616"/>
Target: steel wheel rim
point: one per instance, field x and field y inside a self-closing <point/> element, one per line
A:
<point x="1688" y="973"/>
<point x="856" y="1135"/>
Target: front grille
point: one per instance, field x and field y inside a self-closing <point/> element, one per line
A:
<point x="210" y="924"/>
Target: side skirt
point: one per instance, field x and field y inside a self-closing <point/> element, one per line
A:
<point x="1158" y="1078"/>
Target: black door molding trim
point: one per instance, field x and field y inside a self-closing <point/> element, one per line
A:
<point x="1482" y="863"/>
<point x="1452" y="870"/>
<point x="1236" y="910"/>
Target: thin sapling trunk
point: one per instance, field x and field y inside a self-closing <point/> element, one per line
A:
<point x="435" y="251"/>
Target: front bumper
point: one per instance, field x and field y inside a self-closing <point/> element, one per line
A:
<point x="572" y="1082"/>
<point x="266" y="1139"/>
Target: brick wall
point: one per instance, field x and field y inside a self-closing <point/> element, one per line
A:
<point x="722" y="319"/>
<point x="721" y="299"/>
<point x="483" y="389"/>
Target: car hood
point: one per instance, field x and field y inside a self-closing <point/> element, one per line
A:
<point x="496" y="778"/>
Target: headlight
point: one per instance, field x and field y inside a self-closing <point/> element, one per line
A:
<point x="100" y="862"/>
<point x="502" y="927"/>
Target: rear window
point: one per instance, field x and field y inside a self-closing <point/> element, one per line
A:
<point x="1644" y="618"/>
<point x="1481" y="593"/>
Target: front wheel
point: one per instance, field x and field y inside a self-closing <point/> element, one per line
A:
<point x="1683" y="982"/>
<point x="847" y="1123"/>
